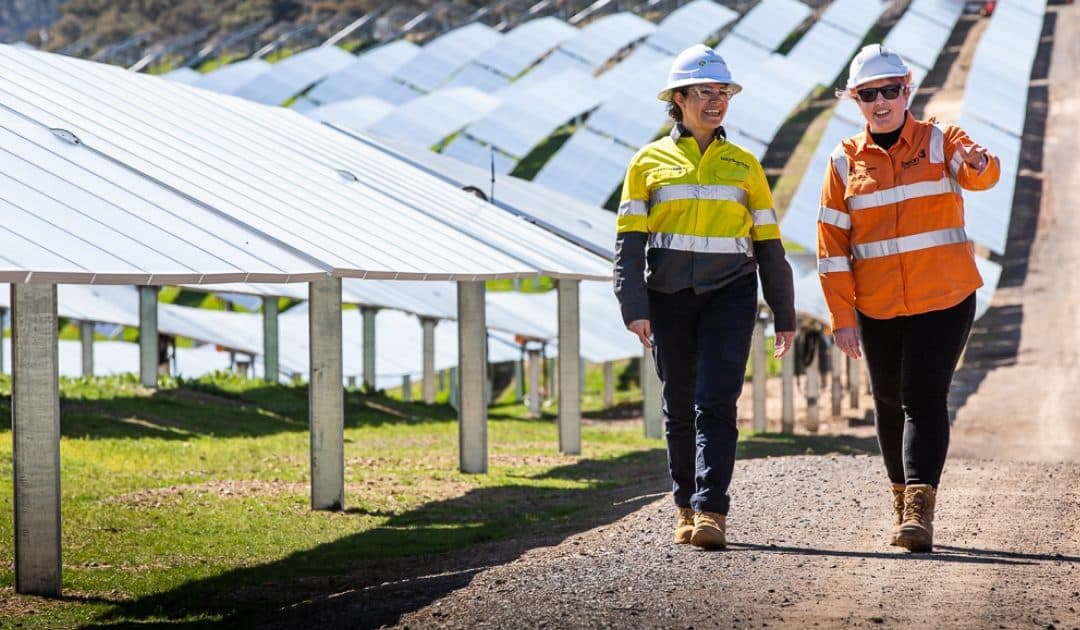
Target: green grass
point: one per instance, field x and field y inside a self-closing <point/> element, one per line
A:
<point x="178" y="504"/>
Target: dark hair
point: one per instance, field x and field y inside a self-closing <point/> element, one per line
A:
<point x="673" y="110"/>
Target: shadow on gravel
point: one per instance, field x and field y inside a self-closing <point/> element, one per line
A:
<point x="995" y="337"/>
<point x="942" y="553"/>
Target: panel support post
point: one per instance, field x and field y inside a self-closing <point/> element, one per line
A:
<point x="271" y="365"/>
<point x="787" y="376"/>
<point x="428" y="326"/>
<point x="757" y="374"/>
<point x="86" y="340"/>
<point x="569" y="367"/>
<point x="326" y="403"/>
<point x="609" y="384"/>
<point x="652" y="401"/>
<point x="148" y="336"/>
<point x="3" y="313"/>
<point x="472" y="377"/>
<point x="369" y="347"/>
<point x="406" y="388"/>
<point x="35" y="413"/>
<point x="535" y="361"/>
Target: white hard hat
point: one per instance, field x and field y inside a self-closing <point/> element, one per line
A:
<point x="874" y="62"/>
<point x="697" y="64"/>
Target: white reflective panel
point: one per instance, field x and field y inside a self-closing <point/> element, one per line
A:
<point x="918" y="39"/>
<point x="227" y="79"/>
<point x="854" y="16"/>
<point x="525" y="44"/>
<point x="693" y="22"/>
<point x="589" y="167"/>
<point x="633" y="120"/>
<point x="824" y="51"/>
<point x="769" y="96"/>
<point x="741" y="55"/>
<point x="987" y="213"/>
<point x="809" y="299"/>
<point x="477" y="76"/>
<point x="768" y="24"/>
<point x="303" y="105"/>
<point x="1000" y="142"/>
<point x="393" y="91"/>
<point x="1032" y="7"/>
<point x="369" y="69"/>
<point x="554" y="64"/>
<point x="72" y="212"/>
<point x="995" y="99"/>
<point x="446" y="54"/>
<point x="294" y="74"/>
<point x="187" y="76"/>
<point x="518" y="125"/>
<point x="354" y="113"/>
<point x="598" y="42"/>
<point x="432" y="117"/>
<point x="285" y="175"/>
<point x="799" y="222"/>
<point x="643" y="71"/>
<point x="586" y="224"/>
<point x="944" y="12"/>
<point x="470" y="151"/>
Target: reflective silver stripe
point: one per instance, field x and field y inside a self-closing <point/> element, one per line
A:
<point x="905" y="244"/>
<point x="840" y="163"/>
<point x="833" y="264"/>
<point x="955" y="163"/>
<point x="764" y="217"/>
<point x="701" y="244"/>
<point x="937" y="145"/>
<point x="697" y="191"/>
<point x="841" y="220"/>
<point x="903" y="193"/>
<point x="633" y="207"/>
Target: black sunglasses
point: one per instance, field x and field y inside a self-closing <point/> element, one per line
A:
<point x="869" y="95"/>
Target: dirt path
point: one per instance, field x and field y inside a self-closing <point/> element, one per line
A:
<point x="808" y="533"/>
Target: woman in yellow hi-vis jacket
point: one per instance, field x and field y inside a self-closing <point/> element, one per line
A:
<point x="696" y="227"/>
<point x="899" y="275"/>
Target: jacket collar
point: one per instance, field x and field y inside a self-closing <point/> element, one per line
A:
<point x="907" y="133"/>
<point x="678" y="131"/>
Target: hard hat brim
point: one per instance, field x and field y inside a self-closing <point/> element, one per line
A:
<point x="883" y="75"/>
<point x="665" y="94"/>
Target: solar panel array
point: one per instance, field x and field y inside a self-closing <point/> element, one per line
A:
<point x="294" y="74"/>
<point x="366" y="72"/>
<point x="415" y="123"/>
<point x="513" y="54"/>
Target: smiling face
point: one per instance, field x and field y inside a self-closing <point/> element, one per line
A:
<point x="703" y="106"/>
<point x="882" y="114"/>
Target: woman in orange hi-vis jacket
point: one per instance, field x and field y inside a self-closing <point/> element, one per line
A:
<point x="899" y="275"/>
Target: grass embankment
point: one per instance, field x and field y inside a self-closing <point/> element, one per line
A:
<point x="190" y="504"/>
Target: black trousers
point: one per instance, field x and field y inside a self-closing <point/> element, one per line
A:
<point x="911" y="360"/>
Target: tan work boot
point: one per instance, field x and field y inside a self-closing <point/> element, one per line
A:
<point x="917" y="531"/>
<point x="709" y="530"/>
<point x="898" y="509"/>
<point x="684" y="525"/>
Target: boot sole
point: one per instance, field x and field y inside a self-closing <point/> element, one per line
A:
<point x="706" y="542"/>
<point x="683" y="537"/>
<point x="915" y="540"/>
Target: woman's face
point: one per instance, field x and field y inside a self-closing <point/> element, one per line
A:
<point x="704" y="105"/>
<point x="882" y="114"/>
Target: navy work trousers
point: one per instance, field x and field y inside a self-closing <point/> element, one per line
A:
<point x="911" y="360"/>
<point x="701" y="345"/>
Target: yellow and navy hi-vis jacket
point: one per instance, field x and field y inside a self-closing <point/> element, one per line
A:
<point x="697" y="221"/>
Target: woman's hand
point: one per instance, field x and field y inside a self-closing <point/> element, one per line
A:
<point x="643" y="330"/>
<point x="975" y="156"/>
<point x="847" y="339"/>
<point x="784" y="340"/>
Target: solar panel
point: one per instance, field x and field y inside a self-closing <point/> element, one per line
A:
<point x="583" y="223"/>
<point x="602" y="38"/>
<point x="741" y="55"/>
<point x="824" y="51"/>
<point x="184" y="75"/>
<point x="393" y="90"/>
<point x="854" y="16"/>
<point x="944" y="12"/>
<point x="768" y="24"/>
<point x="294" y="74"/>
<point x="479" y="154"/>
<point x="354" y="113"/>
<point x="445" y="55"/>
<point x="301" y="183"/>
<point x="643" y="71"/>
<point x="691" y="23"/>
<point x="988" y="212"/>
<point x="519" y="124"/>
<point x="984" y="295"/>
<point x="524" y="45"/>
<point x="227" y="79"/>
<point x="588" y="166"/>
<point x="369" y="69"/>
<point x="477" y="76"/>
<point x="769" y="96"/>
<point x="432" y="117"/>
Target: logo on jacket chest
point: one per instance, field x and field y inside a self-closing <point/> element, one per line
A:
<point x="915" y="160"/>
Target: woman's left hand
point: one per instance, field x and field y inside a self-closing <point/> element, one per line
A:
<point x="783" y="343"/>
<point x="975" y="156"/>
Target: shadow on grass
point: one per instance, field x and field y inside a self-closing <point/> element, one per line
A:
<point x="184" y="412"/>
<point x="373" y="578"/>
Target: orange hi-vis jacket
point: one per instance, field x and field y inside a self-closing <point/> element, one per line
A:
<point x="891" y="237"/>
